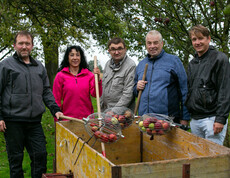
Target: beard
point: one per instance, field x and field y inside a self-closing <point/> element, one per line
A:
<point x="23" y="54"/>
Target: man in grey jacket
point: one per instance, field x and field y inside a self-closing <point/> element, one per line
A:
<point x="24" y="86"/>
<point x="118" y="77"/>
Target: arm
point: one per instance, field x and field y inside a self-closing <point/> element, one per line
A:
<point x="139" y="84"/>
<point x="48" y="97"/>
<point x="93" y="85"/>
<point x="135" y="91"/>
<point x="222" y="85"/>
<point x="3" y="79"/>
<point x="182" y="79"/>
<point x="98" y="72"/>
<point x="2" y="86"/>
<point x="1" y="90"/>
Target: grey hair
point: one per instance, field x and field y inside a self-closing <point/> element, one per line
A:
<point x="155" y="33"/>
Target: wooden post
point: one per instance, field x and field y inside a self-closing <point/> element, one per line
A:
<point x="186" y="171"/>
<point x="98" y="103"/>
<point x="135" y="112"/>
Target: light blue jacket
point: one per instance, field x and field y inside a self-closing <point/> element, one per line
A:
<point x="166" y="90"/>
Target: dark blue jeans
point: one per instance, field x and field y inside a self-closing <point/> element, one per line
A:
<point x="20" y="135"/>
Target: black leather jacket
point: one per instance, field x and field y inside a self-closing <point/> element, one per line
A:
<point x="208" y="86"/>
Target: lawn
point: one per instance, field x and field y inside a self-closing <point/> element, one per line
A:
<point x="48" y="126"/>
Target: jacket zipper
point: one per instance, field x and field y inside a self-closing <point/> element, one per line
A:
<point x="204" y="98"/>
<point x="75" y="79"/>
<point x="150" y="85"/>
<point x="26" y="84"/>
<point x="30" y="89"/>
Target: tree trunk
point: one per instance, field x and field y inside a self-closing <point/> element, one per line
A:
<point x="50" y="49"/>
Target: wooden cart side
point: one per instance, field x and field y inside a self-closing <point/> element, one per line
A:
<point x="123" y="150"/>
<point x="202" y="167"/>
<point x="89" y="164"/>
<point x="119" y="152"/>
<point x="179" y="144"/>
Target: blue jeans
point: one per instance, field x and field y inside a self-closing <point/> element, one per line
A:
<point x="204" y="128"/>
<point x="31" y="136"/>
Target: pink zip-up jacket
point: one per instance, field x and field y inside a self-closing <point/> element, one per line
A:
<point x="72" y="93"/>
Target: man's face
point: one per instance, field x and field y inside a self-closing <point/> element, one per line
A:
<point x="153" y="45"/>
<point x="117" y="52"/>
<point x="23" y="46"/>
<point x="200" y="43"/>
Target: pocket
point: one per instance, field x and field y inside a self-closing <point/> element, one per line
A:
<point x="118" y="82"/>
<point x="209" y="97"/>
<point x="37" y="83"/>
<point x="38" y="105"/>
<point x="19" y="83"/>
<point x="19" y="104"/>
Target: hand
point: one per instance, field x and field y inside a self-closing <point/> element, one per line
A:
<point x="184" y="122"/>
<point x="141" y="85"/>
<point x="2" y="126"/>
<point x="184" y="125"/>
<point x="217" y="127"/>
<point x="97" y="71"/>
<point x="57" y="114"/>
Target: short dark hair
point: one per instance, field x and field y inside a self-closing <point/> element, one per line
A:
<point x="24" y="33"/>
<point x="116" y="40"/>
<point x="65" y="61"/>
<point x="199" y="29"/>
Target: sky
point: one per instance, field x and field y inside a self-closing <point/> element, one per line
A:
<point x="102" y="55"/>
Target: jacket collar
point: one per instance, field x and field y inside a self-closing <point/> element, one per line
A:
<point x="32" y="61"/>
<point x="157" y="57"/>
<point x="82" y="71"/>
<point x="117" y="67"/>
<point x="205" y="54"/>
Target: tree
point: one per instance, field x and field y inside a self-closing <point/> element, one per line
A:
<point x="91" y="65"/>
<point x="173" y="19"/>
<point x="55" y="22"/>
<point x="58" y="21"/>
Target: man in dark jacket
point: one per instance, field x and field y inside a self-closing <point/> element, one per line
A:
<point x="165" y="88"/>
<point x="24" y="86"/>
<point x="208" y="98"/>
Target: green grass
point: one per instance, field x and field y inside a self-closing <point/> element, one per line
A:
<point x="48" y="126"/>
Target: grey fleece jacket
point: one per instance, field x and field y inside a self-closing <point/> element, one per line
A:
<point x="23" y="89"/>
<point x="117" y="84"/>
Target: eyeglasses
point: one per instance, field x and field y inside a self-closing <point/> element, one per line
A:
<point x="113" y="50"/>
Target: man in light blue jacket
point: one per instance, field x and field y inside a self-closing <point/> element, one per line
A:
<point x="165" y="88"/>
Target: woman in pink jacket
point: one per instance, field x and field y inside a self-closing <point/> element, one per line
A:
<point x="74" y="84"/>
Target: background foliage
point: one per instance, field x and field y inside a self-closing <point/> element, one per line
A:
<point x="60" y="22"/>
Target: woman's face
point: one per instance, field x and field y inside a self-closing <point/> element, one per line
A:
<point x="74" y="58"/>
